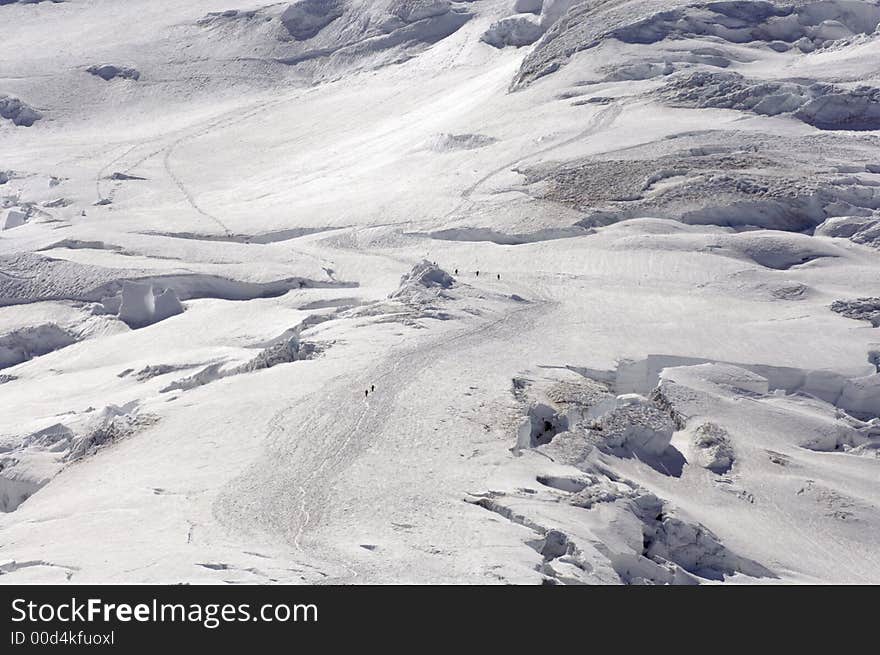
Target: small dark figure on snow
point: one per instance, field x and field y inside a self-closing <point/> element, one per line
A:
<point x="372" y="388"/>
<point x="478" y="273"/>
<point x="366" y="392"/>
<point x="499" y="276"/>
<point x="456" y="271"/>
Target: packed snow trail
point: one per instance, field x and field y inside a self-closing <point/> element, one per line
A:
<point x="307" y="455"/>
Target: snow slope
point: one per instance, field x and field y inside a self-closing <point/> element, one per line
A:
<point x="344" y="291"/>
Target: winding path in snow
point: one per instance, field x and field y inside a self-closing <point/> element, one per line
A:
<point x="293" y="490"/>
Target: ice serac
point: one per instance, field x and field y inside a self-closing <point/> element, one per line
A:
<point x="825" y="106"/>
<point x="636" y="425"/>
<point x="19" y="112"/>
<point x="425" y="281"/>
<point x="528" y="6"/>
<point x="860" y="309"/>
<point x="14" y="218"/>
<point x="26" y="343"/>
<point x="861" y="396"/>
<point x="142" y="305"/>
<point x="513" y="31"/>
<point x="804" y="26"/>
<point x="109" y="72"/>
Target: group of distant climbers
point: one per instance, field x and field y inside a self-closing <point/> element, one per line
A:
<point x="497" y="275"/>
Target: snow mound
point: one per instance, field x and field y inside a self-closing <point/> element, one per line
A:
<point x="860" y="309"/>
<point x="424" y="282"/>
<point x="514" y="31"/>
<point x="18" y="112"/>
<point x="779" y="251"/>
<point x="109" y="72"/>
<point x="304" y="19"/>
<point x="143" y="304"/>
